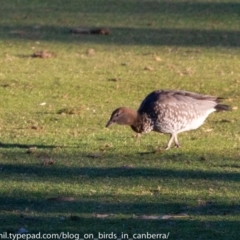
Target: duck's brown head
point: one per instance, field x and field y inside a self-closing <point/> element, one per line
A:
<point x="123" y="116"/>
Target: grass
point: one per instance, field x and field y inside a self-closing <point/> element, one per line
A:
<point x="53" y="113"/>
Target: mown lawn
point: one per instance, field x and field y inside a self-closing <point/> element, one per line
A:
<point x="61" y="170"/>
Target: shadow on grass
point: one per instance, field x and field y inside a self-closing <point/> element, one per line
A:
<point x="186" y="10"/>
<point x="69" y="173"/>
<point x="130" y="36"/>
<point x="19" y="145"/>
<point x="178" y="229"/>
<point x="117" y="217"/>
<point x="31" y="209"/>
<point x="215" y="12"/>
<point x="61" y="155"/>
<point x="107" y="204"/>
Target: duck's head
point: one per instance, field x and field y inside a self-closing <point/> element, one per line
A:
<point x="122" y="116"/>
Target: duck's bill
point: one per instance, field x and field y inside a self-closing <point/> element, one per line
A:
<point x="109" y="123"/>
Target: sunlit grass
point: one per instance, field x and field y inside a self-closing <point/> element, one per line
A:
<point x="53" y="114"/>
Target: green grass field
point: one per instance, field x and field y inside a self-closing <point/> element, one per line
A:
<point x="53" y="113"/>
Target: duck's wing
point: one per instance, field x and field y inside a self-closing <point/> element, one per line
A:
<point x="178" y="98"/>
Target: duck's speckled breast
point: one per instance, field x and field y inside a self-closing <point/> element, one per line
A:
<point x="144" y="124"/>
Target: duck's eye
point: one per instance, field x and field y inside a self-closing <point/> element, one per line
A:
<point x="117" y="115"/>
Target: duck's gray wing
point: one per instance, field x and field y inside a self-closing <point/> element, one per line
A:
<point x="177" y="98"/>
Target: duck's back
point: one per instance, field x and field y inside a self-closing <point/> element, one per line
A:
<point x="176" y="111"/>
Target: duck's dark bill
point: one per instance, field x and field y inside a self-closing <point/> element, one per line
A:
<point x="109" y="123"/>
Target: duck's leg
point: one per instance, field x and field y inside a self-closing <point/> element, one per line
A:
<point x="173" y="137"/>
<point x="177" y="145"/>
<point x="170" y="141"/>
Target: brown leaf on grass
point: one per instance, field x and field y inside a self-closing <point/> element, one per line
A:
<point x="43" y="54"/>
<point x="108" y="145"/>
<point x="90" y="51"/>
<point x="158" y="59"/>
<point x="149" y="68"/>
<point x="47" y="161"/>
<point x="203" y="158"/>
<point x="156" y="190"/>
<point x="61" y="199"/>
<point x="149" y="23"/>
<point x="5" y="85"/>
<point x="114" y="79"/>
<point x="97" y="31"/>
<point x="66" y="111"/>
<point x="36" y="127"/>
<point x="100" y="31"/>
<point x="69" y="111"/>
<point x="31" y="150"/>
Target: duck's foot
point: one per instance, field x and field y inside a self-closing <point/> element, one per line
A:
<point x="176" y="146"/>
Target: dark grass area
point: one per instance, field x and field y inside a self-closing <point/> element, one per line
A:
<point x="118" y="183"/>
<point x="131" y="36"/>
<point x="164" y="23"/>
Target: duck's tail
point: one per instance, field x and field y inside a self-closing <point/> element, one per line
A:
<point x="222" y="107"/>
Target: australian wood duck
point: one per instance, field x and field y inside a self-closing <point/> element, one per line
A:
<point x="168" y="111"/>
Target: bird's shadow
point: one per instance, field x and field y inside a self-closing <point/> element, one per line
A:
<point x="19" y="145"/>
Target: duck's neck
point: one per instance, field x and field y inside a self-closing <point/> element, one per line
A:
<point x="135" y="121"/>
<point x="131" y="118"/>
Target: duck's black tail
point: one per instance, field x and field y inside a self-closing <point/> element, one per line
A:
<point x="222" y="107"/>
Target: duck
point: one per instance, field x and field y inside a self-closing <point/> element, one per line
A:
<point x="169" y="112"/>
